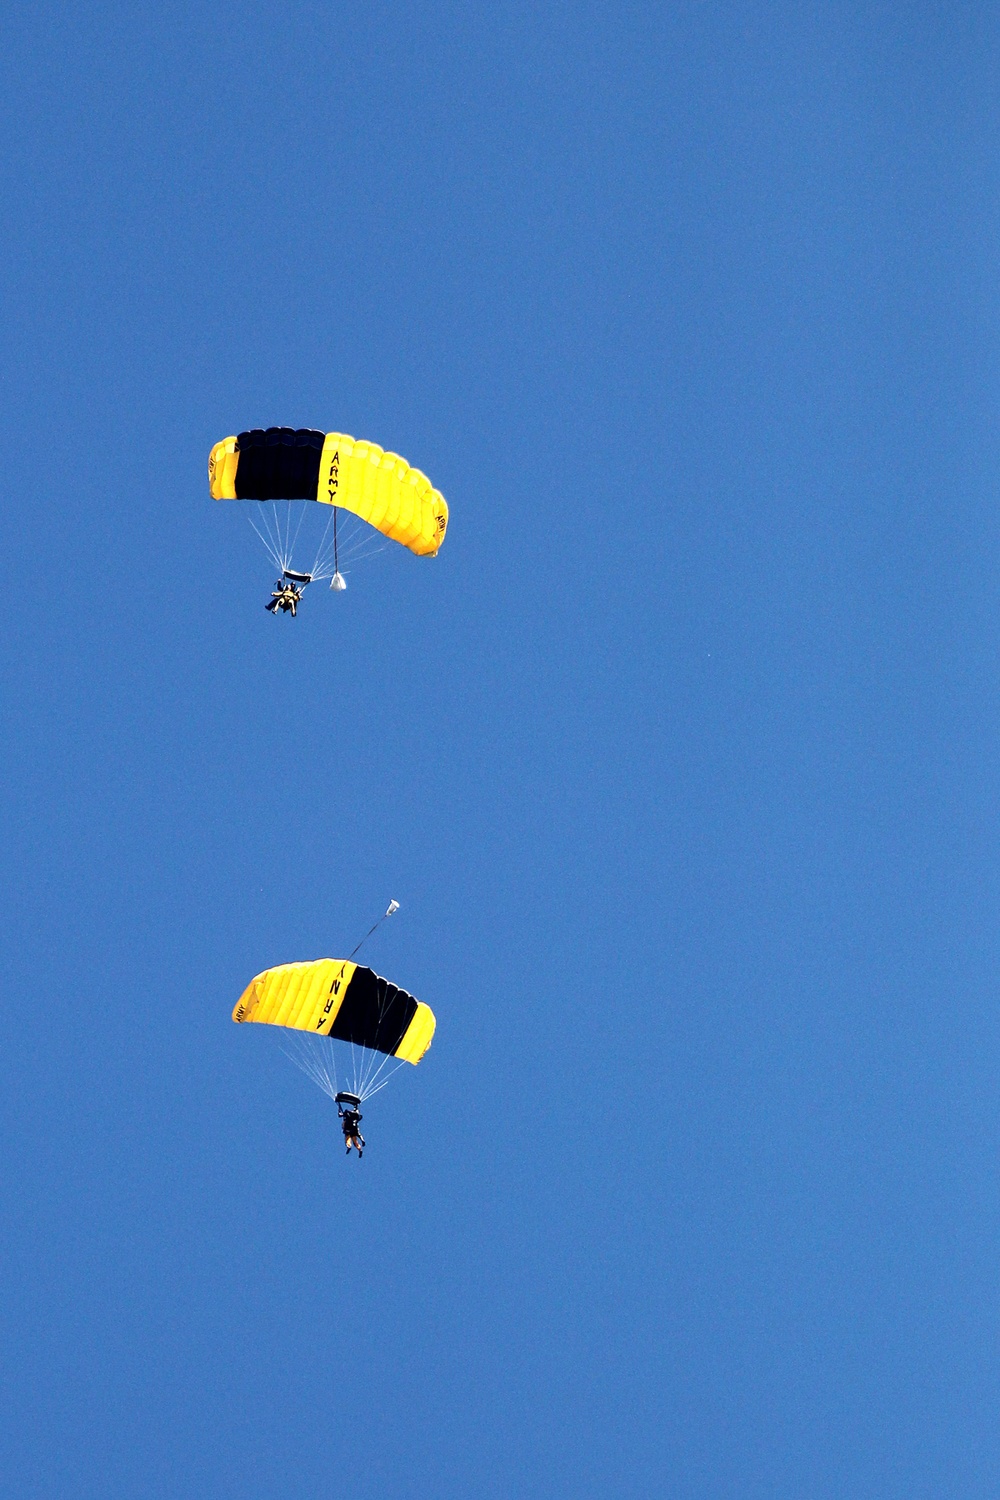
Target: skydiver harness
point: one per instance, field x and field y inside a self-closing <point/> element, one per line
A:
<point x="285" y="595"/>
<point x="350" y="1119"/>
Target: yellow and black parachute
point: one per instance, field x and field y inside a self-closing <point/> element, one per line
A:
<point x="332" y="997"/>
<point x="336" y="1014"/>
<point x="285" y="463"/>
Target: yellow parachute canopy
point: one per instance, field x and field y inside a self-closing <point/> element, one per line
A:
<point x="286" y="463"/>
<point x="336" y="998"/>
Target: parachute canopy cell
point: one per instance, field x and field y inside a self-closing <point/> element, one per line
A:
<point x="285" y="463"/>
<point x="336" y="998"/>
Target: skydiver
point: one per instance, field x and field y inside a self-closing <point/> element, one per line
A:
<point x="284" y="596"/>
<point x="350" y="1119"/>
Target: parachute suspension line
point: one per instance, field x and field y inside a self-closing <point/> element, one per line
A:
<point x="273" y="526"/>
<point x="282" y="544"/>
<point x="273" y="517"/>
<point x="302" y="515"/>
<point x="282" y="540"/>
<point x="315" y="1056"/>
<point x="268" y="544"/>
<point x="329" y="1083"/>
<point x="368" y="1079"/>
<point x="367" y="1060"/>
<point x="387" y="1079"/>
<point x="328" y="1052"/>
<point x="360" y="538"/>
<point x="286" y="551"/>
<point x="279" y="540"/>
<point x="371" y="1083"/>
<point x="360" y="541"/>
<point x="362" y="547"/>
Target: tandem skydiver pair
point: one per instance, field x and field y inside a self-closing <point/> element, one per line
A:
<point x="332" y="1004"/>
<point x="382" y="495"/>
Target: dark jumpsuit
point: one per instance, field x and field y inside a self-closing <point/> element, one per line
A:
<point x="351" y="1121"/>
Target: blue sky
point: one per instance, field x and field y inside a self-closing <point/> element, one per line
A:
<point x="681" y="757"/>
